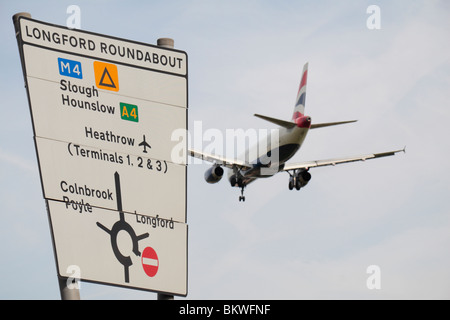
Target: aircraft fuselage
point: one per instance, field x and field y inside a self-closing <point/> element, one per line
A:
<point x="272" y="153"/>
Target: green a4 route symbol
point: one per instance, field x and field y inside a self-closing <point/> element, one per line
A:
<point x="129" y="112"/>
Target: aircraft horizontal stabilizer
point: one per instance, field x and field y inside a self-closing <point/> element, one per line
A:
<point x="290" y="124"/>
<point x="283" y="123"/>
<point x="328" y="124"/>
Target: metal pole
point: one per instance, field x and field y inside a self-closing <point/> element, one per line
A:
<point x="18" y="38"/>
<point x="162" y="296"/>
<point x="68" y="289"/>
<point x="16" y="18"/>
<point x="165" y="43"/>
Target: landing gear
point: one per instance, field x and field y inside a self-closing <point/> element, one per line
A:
<point x="298" y="184"/>
<point x="298" y="179"/>
<point x="242" y="197"/>
<point x="291" y="182"/>
<point x="294" y="182"/>
<point x="236" y="180"/>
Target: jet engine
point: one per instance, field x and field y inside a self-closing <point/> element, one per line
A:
<point x="299" y="179"/>
<point x="214" y="174"/>
<point x="303" y="178"/>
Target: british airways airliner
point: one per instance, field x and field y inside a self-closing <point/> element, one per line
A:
<point x="272" y="157"/>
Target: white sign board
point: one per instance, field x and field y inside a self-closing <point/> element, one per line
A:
<point x="78" y="111"/>
<point x="144" y="181"/>
<point x="142" y="252"/>
<point x="104" y="111"/>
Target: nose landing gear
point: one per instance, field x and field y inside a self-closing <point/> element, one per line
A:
<point x="237" y="180"/>
<point x="242" y="197"/>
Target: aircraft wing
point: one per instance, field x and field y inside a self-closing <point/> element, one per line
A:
<point x="223" y="161"/>
<point x="333" y="162"/>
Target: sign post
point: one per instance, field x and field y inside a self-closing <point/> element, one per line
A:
<point x="103" y="112"/>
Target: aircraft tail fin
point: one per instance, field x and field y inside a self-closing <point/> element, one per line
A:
<point x="299" y="109"/>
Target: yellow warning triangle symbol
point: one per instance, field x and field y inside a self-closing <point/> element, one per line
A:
<point x="108" y="82"/>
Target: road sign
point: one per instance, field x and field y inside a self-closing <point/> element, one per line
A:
<point x="106" y="76"/>
<point x="150" y="262"/>
<point x="70" y="68"/>
<point x="129" y="112"/>
<point x="68" y="109"/>
<point x="97" y="245"/>
<point x="75" y="173"/>
<point x="104" y="111"/>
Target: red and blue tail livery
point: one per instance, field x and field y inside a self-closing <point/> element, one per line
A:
<point x="299" y="110"/>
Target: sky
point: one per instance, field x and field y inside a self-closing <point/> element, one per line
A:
<point x="246" y="58"/>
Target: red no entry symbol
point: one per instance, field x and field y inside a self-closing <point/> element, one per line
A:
<point x="150" y="261"/>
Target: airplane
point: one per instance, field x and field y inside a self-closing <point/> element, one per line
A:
<point x="144" y="144"/>
<point x="291" y="135"/>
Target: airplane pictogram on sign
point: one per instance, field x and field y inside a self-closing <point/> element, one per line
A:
<point x="106" y="76"/>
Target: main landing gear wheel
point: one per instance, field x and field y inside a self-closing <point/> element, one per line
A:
<point x="298" y="179"/>
<point x="291" y="184"/>
<point x="295" y="183"/>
